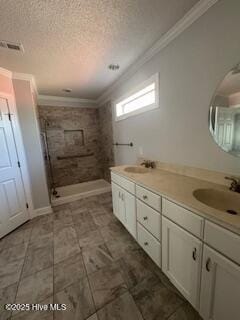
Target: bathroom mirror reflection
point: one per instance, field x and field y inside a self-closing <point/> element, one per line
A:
<point x="224" y="114"/>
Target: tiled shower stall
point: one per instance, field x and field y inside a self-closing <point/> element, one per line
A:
<point x="78" y="142"/>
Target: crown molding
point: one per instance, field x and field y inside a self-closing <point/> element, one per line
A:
<point x="186" y="21"/>
<point x="26" y="77"/>
<point x="57" y="101"/>
<point x="6" y="73"/>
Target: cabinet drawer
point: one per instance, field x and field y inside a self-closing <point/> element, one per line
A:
<point x="183" y="217"/>
<point x="149" y="218"/>
<point x="223" y="240"/>
<point x="149" y="197"/>
<point x="149" y="244"/>
<point x="124" y="183"/>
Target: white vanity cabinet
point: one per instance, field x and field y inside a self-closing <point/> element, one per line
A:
<point x="181" y="260"/>
<point x="220" y="287"/>
<point x="124" y="203"/>
<point x="211" y="283"/>
<point x="140" y="214"/>
<point x="201" y="258"/>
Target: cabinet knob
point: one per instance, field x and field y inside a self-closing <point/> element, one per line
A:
<point x="208" y="265"/>
<point x="194" y="254"/>
<point x="145" y="197"/>
<point x="145" y="218"/>
<point x="146" y="243"/>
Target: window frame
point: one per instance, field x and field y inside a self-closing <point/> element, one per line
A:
<point x="153" y="79"/>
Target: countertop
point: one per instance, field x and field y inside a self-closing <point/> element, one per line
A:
<point x="179" y="189"/>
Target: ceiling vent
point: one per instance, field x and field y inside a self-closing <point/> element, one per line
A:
<point x="11" y="46"/>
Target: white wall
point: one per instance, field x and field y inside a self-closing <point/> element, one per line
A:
<point x="31" y="139"/>
<point x="5" y="82"/>
<point x="190" y="69"/>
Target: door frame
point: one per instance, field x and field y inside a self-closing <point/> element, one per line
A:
<point x="17" y="135"/>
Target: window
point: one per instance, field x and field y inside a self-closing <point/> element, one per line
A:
<point x="142" y="99"/>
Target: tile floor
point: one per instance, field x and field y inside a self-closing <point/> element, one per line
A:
<point x="83" y="257"/>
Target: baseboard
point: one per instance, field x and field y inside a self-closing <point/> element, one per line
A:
<point x="42" y="211"/>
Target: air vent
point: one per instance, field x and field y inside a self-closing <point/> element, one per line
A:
<point x="11" y="46"/>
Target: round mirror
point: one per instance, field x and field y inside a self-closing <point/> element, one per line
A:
<point x="224" y="114"/>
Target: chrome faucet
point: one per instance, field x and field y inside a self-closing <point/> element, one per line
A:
<point x="148" y="164"/>
<point x="235" y="185"/>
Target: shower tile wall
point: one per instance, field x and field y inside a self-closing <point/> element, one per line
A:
<point x="105" y="117"/>
<point x="74" y="143"/>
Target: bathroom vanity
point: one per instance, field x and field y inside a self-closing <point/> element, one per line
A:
<point x="195" y="245"/>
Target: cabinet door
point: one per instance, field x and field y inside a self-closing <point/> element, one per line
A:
<point x="118" y="202"/>
<point x="130" y="213"/>
<point x="220" y="287"/>
<point x="181" y="260"/>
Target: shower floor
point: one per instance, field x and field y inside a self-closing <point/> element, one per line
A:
<point x="80" y="190"/>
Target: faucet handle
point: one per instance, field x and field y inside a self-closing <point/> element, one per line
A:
<point x="235" y="185"/>
<point x="148" y="164"/>
<point x="235" y="180"/>
<point x="145" y="163"/>
<point x="152" y="164"/>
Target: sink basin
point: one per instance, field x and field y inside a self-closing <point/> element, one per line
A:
<point x="227" y="201"/>
<point x="136" y="169"/>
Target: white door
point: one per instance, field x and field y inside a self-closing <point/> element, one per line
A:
<point x="130" y="213"/>
<point x="220" y="287"/>
<point x="181" y="260"/>
<point x="13" y="210"/>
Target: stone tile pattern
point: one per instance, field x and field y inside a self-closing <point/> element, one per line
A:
<point x="105" y="118"/>
<point x="64" y="141"/>
<point x="81" y="256"/>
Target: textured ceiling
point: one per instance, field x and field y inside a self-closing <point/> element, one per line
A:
<point x="70" y="43"/>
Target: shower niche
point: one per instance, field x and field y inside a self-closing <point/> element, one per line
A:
<point x="73" y="138"/>
<point x="74" y="143"/>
